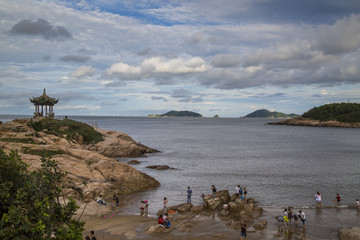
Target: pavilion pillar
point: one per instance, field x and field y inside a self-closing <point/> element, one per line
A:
<point x="42" y="110"/>
<point x="46" y="110"/>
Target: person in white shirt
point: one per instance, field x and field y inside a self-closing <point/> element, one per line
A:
<point x="302" y="217"/>
<point x="318" y="199"/>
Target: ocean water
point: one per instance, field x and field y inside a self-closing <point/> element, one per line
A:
<point x="279" y="165"/>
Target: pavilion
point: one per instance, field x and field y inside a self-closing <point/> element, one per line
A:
<point x="42" y="101"/>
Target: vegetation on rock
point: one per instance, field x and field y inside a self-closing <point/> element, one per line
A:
<point x="181" y="114"/>
<point x="263" y="113"/>
<point x="73" y="130"/>
<point x="30" y="202"/>
<point x="342" y="112"/>
<point x="42" y="152"/>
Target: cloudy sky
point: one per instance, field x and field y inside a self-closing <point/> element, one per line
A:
<point x="134" y="58"/>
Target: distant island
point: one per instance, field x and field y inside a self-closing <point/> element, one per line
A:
<point x="263" y="113"/>
<point x="328" y="115"/>
<point x="178" y="114"/>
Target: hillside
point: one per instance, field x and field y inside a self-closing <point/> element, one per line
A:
<point x="181" y="114"/>
<point x="342" y="112"/>
<point x="263" y="113"/>
<point x="328" y="115"/>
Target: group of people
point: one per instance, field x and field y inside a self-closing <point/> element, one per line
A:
<point x="240" y="192"/>
<point x="287" y="217"/>
<point x="91" y="237"/>
<point x="318" y="200"/>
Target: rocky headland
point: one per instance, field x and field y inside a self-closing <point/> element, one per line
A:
<point x="316" y="123"/>
<point x="91" y="169"/>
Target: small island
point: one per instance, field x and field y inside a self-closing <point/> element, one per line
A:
<point x="177" y="114"/>
<point x="263" y="113"/>
<point x="346" y="115"/>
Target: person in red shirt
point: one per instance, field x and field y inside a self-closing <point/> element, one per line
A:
<point x="161" y="221"/>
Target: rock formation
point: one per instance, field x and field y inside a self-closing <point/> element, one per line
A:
<point x="90" y="170"/>
<point x="349" y="233"/>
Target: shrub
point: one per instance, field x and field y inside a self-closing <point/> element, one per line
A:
<point x="30" y="206"/>
<point x="72" y="129"/>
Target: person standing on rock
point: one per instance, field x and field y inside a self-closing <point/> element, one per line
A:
<point x="189" y="193"/>
<point x="245" y="192"/>
<point x="165" y="204"/>
<point x="237" y="189"/>
<point x="213" y="188"/>
<point x="243" y="231"/>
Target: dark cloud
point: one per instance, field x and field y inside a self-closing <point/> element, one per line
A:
<point x="225" y="61"/>
<point x="185" y="96"/>
<point x="75" y="58"/>
<point x="40" y="27"/>
<point x="309" y="11"/>
<point x="159" y="98"/>
<point x="46" y="58"/>
<point x="266" y="95"/>
<point x="144" y="52"/>
<point x="316" y="96"/>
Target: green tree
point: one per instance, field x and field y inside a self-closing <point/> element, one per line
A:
<point x="31" y="203"/>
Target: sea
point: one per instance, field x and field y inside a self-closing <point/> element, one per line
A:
<point x="279" y="165"/>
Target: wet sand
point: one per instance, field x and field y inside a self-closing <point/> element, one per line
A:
<point x="321" y="224"/>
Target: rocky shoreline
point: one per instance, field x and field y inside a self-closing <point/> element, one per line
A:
<point x="91" y="169"/>
<point x="315" y="123"/>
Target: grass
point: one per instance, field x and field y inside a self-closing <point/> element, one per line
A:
<point x="42" y="152"/>
<point x="71" y="129"/>
<point x="18" y="140"/>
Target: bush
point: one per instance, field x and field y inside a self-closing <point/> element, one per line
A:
<point x="72" y="129"/>
<point x="30" y="205"/>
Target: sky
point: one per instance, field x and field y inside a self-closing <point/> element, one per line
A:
<point x="135" y="58"/>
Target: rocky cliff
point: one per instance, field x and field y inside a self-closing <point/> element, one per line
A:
<point x="91" y="170"/>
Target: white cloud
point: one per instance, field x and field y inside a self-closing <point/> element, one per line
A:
<point x="76" y="107"/>
<point x="151" y="67"/>
<point x="83" y="71"/>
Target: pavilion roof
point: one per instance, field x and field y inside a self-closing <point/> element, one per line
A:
<point x="44" y="99"/>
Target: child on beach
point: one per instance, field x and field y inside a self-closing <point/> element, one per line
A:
<point x="358" y="204"/>
<point x="318" y="199"/>
<point x="142" y="208"/>
<point x="146" y="207"/>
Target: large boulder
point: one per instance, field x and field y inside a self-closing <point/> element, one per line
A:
<point x="214" y="203"/>
<point x="223" y="196"/>
<point x="119" y="144"/>
<point x="197" y="209"/>
<point x="249" y="208"/>
<point x="240" y="203"/>
<point x="233" y="207"/>
<point x="260" y="225"/>
<point x="349" y="233"/>
<point x="186" y="207"/>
